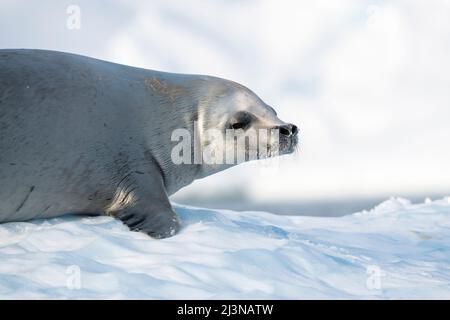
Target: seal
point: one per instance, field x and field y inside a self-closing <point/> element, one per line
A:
<point x="85" y="136"/>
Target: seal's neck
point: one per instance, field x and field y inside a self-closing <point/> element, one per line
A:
<point x="181" y="101"/>
<point x="174" y="124"/>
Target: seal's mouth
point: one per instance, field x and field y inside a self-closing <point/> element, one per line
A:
<point x="288" y="145"/>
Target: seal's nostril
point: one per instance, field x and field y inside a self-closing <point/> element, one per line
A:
<point x="294" y="129"/>
<point x="288" y="130"/>
<point x="285" y="131"/>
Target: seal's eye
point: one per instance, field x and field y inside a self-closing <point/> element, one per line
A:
<point x="241" y="120"/>
<point x="238" y="125"/>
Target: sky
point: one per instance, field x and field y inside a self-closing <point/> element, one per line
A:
<point x="366" y="82"/>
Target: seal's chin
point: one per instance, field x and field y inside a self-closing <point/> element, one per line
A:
<point x="288" y="145"/>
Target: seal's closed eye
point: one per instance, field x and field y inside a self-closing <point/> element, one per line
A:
<point x="241" y="120"/>
<point x="238" y="125"/>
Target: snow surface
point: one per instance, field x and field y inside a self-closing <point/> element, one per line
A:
<point x="396" y="250"/>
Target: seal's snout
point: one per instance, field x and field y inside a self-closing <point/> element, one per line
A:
<point x="288" y="138"/>
<point x="288" y="130"/>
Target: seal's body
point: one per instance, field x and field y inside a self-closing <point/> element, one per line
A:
<point x="84" y="136"/>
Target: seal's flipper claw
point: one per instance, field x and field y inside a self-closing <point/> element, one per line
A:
<point x="156" y="224"/>
<point x="161" y="228"/>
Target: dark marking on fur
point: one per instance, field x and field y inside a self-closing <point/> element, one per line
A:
<point x="46" y="208"/>
<point x="25" y="199"/>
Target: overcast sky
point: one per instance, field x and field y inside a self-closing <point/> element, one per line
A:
<point x="367" y="82"/>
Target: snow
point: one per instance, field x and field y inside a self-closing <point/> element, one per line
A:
<point x="396" y="250"/>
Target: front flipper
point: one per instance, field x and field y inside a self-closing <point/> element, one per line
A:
<point x="141" y="203"/>
<point x="157" y="223"/>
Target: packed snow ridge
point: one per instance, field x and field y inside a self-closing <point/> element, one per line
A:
<point x="396" y="250"/>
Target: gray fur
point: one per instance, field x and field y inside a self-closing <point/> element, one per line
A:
<point x="84" y="136"/>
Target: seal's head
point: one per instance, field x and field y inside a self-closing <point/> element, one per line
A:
<point x="235" y="125"/>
